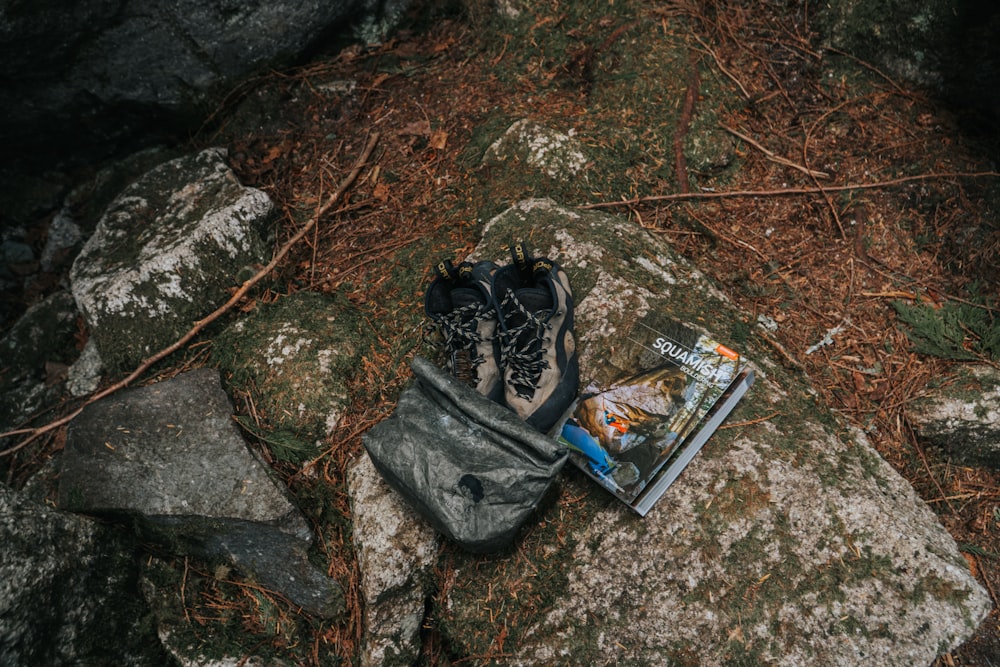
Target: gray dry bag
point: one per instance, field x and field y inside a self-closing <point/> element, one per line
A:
<point x="473" y="468"/>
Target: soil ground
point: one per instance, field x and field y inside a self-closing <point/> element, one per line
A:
<point x="813" y="188"/>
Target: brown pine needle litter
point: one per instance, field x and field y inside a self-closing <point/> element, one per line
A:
<point x="846" y="193"/>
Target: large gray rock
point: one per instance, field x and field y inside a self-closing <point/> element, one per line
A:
<point x="99" y="71"/>
<point x="788" y="541"/>
<point x="962" y="416"/>
<point x="165" y="253"/>
<point x="947" y="45"/>
<point x="170" y="456"/>
<point x="68" y="591"/>
<point x="397" y="552"/>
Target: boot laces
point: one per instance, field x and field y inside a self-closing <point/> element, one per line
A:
<point x="460" y="330"/>
<point x="521" y="347"/>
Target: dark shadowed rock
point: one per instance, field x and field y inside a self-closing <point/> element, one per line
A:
<point x="912" y="38"/>
<point x="94" y="74"/>
<point x="170" y="456"/>
<point x="948" y="46"/>
<point x="68" y="591"/>
<point x="962" y="416"/>
<point x="35" y="353"/>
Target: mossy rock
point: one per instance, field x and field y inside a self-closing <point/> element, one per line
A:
<point x="788" y="540"/>
<point x="962" y="417"/>
<point x="912" y="38"/>
<point x="43" y="335"/>
<point x="295" y="357"/>
<point x="69" y="593"/>
<point x="534" y="146"/>
<point x="165" y="253"/>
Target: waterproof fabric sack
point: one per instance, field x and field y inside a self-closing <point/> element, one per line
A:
<point x="471" y="467"/>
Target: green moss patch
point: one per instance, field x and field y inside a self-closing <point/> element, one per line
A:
<point x="294" y="359"/>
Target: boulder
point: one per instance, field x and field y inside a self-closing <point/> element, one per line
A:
<point x="165" y="253"/>
<point x="911" y="38"/>
<point x="962" y="416"/>
<point x="68" y="591"/>
<point x="96" y="75"/>
<point x="787" y="541"/>
<point x="170" y="456"/>
<point x="397" y="552"/>
<point x="295" y="356"/>
<point x="35" y="353"/>
<point x="947" y="46"/>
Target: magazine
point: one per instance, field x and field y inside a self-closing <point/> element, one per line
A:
<point x="651" y="406"/>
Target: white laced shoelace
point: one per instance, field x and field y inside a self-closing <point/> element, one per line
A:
<point x="521" y="348"/>
<point x="460" y="330"/>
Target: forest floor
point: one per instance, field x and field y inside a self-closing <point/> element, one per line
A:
<point x="798" y="117"/>
<point x="836" y="192"/>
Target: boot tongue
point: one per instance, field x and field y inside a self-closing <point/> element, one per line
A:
<point x="464" y="296"/>
<point x="535" y="299"/>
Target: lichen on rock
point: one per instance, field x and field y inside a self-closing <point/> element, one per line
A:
<point x="787" y="541"/>
<point x="164" y="254"/>
<point x="296" y="356"/>
<point x="557" y="155"/>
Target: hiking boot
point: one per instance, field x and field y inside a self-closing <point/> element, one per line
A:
<point x="459" y="301"/>
<point x="538" y="358"/>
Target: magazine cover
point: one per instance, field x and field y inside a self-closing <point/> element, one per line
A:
<point x="674" y="387"/>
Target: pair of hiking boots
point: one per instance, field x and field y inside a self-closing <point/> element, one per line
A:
<point x="508" y="332"/>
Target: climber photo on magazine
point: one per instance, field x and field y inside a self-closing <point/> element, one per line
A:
<point x="682" y="384"/>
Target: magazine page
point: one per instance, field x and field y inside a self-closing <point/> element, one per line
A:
<point x="667" y="378"/>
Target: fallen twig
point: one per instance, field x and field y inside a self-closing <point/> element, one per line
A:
<point x="892" y="294"/>
<point x="899" y="89"/>
<point x="733" y="194"/>
<point x="722" y="68"/>
<point x="34" y="433"/>
<point x="780" y="349"/>
<point x="773" y="157"/>
<point x="738" y="242"/>
<point x="750" y="422"/>
<point x="690" y="97"/>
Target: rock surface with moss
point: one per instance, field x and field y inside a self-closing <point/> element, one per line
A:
<point x="35" y="352"/>
<point x="68" y="590"/>
<point x="530" y="145"/>
<point x="962" y="416"/>
<point x="296" y="356"/>
<point x="787" y="541"/>
<point x="165" y="253"/>
<point x="912" y="38"/>
<point x="397" y="553"/>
